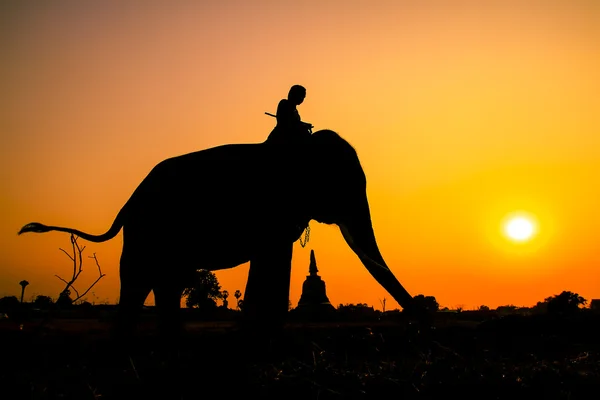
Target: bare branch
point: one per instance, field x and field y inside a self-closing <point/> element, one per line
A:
<point x="79" y="252"/>
<point x="77" y="257"/>
<point x="61" y="279"/>
<point x="75" y="290"/>
<point x="69" y="285"/>
<point x="88" y="289"/>
<point x="76" y="271"/>
<point x="97" y="262"/>
<point x="73" y="242"/>
<point x="64" y="251"/>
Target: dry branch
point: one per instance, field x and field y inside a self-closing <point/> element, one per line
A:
<point x="77" y="259"/>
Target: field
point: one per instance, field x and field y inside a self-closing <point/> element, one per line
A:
<point x="511" y="357"/>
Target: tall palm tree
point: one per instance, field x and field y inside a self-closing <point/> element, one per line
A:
<point x="224" y="296"/>
<point x="237" y="296"/>
<point x="23" y="284"/>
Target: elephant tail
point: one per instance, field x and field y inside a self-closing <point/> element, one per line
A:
<point x="111" y="233"/>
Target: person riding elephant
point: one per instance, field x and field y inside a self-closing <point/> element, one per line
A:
<point x="290" y="127"/>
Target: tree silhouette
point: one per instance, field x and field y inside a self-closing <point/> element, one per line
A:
<point x="356" y="310"/>
<point x="483" y="308"/>
<point x="64" y="299"/>
<point x="205" y="292"/>
<point x="8" y="303"/>
<point x="43" y="302"/>
<point x="237" y="296"/>
<point x="541" y="307"/>
<point x="23" y="284"/>
<point x="428" y="303"/>
<point x="383" y="304"/>
<point x="77" y="259"/>
<point x="566" y="302"/>
<point x="508" y="309"/>
<point x="224" y="296"/>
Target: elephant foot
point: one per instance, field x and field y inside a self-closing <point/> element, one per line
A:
<point x="169" y="341"/>
<point x="261" y="329"/>
<point x="258" y="340"/>
<point x="421" y="315"/>
<point x="122" y="336"/>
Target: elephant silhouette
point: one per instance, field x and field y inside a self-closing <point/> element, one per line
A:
<point x="224" y="206"/>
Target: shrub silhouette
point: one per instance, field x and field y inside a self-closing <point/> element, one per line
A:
<point x="8" y="304"/>
<point x="43" y="302"/>
<point x="429" y="303"/>
<point x="64" y="299"/>
<point x="564" y="303"/>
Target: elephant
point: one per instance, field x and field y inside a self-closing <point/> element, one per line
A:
<point x="224" y="206"/>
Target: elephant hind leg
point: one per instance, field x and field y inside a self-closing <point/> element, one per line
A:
<point x="131" y="301"/>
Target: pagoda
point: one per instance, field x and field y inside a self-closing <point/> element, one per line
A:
<point x="314" y="298"/>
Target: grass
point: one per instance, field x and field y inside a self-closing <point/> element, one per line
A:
<point x="508" y="358"/>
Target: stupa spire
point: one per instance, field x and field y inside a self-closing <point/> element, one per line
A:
<point x="312" y="268"/>
<point x="314" y="299"/>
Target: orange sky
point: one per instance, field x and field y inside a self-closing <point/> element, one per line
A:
<point x="460" y="114"/>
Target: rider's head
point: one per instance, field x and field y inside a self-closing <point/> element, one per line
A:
<point x="297" y="94"/>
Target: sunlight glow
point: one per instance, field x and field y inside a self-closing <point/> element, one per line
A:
<point x="519" y="228"/>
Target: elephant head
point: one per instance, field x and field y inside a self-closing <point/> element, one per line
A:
<point x="338" y="178"/>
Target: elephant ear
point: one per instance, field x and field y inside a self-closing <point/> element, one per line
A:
<point x="292" y="171"/>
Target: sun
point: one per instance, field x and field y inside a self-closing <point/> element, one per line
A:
<point x="519" y="227"/>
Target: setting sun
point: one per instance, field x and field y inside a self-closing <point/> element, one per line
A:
<point x="519" y="228"/>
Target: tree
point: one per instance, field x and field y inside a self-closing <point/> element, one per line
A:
<point x="23" y="284"/>
<point x="64" y="299"/>
<point x="77" y="260"/>
<point x="85" y="305"/>
<point x="359" y="310"/>
<point x="43" y="302"/>
<point x="429" y="303"/>
<point x="383" y="304"/>
<point x="360" y="307"/>
<point x="566" y="302"/>
<point x="224" y="296"/>
<point x="237" y="296"/>
<point x="483" y="308"/>
<point x="541" y="307"/>
<point x="508" y="309"/>
<point x="8" y="303"/>
<point x="205" y="291"/>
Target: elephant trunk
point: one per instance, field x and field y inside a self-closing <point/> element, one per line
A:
<point x="358" y="233"/>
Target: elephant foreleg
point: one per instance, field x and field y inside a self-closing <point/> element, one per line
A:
<point x="168" y="298"/>
<point x="268" y="288"/>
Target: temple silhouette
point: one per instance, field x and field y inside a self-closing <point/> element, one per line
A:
<point x="313" y="301"/>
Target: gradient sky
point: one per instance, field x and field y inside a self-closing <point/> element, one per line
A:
<point x="461" y="113"/>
